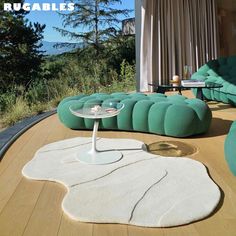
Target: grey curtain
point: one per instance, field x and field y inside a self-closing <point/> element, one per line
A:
<point x="175" y="33"/>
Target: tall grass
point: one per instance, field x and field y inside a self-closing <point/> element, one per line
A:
<point x="45" y="93"/>
<point x="17" y="111"/>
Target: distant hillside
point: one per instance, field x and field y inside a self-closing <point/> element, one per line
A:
<point x="49" y="48"/>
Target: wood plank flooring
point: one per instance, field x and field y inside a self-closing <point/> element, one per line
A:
<point x="34" y="207"/>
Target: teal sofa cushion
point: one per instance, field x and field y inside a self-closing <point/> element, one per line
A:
<point x="221" y="71"/>
<point x="230" y="148"/>
<point x="175" y="115"/>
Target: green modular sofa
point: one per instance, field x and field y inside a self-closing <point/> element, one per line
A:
<point x="230" y="148"/>
<point x="174" y="115"/>
<point x="221" y="71"/>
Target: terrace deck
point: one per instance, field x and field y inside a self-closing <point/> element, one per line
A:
<point x="34" y="207"/>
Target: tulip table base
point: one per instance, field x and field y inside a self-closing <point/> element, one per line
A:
<point x="92" y="157"/>
<point x="95" y="157"/>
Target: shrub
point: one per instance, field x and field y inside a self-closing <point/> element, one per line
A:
<point x="16" y="112"/>
<point x="6" y="101"/>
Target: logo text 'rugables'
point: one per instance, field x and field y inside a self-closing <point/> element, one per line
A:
<point x="39" y="6"/>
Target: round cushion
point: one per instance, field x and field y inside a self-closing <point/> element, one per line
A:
<point x="175" y="115"/>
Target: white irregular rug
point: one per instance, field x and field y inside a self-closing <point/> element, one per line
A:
<point x="141" y="189"/>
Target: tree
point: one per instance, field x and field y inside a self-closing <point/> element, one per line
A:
<point x="20" y="55"/>
<point x="95" y="22"/>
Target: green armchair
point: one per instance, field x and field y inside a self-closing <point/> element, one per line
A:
<point x="221" y="71"/>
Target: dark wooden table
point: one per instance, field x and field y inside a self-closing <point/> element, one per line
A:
<point x="164" y="88"/>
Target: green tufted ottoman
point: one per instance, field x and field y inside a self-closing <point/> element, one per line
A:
<point x="230" y="148"/>
<point x="175" y="115"/>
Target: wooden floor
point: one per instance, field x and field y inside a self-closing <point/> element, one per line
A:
<point x="34" y="207"/>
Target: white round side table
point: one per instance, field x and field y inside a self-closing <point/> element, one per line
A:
<point x="97" y="112"/>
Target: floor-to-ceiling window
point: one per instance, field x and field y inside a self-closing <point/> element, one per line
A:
<point x="172" y="34"/>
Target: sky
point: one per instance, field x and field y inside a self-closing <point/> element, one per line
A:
<point x="52" y="19"/>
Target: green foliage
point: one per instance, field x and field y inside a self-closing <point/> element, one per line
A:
<point x="127" y="72"/>
<point x="123" y="47"/>
<point x="31" y="84"/>
<point x="20" y="57"/>
<point x="43" y="94"/>
<point x="7" y="99"/>
<point x="16" y="112"/>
